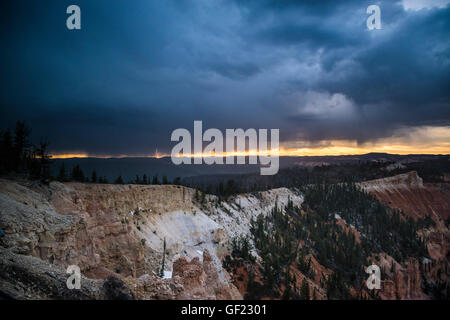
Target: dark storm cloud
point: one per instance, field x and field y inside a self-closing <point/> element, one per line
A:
<point x="138" y="70"/>
<point x="402" y="78"/>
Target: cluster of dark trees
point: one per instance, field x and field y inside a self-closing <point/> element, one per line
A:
<point x="431" y="170"/>
<point x="77" y="174"/>
<point x="285" y="238"/>
<point x="20" y="156"/>
<point x="279" y="249"/>
<point x="385" y="229"/>
<point x="222" y="189"/>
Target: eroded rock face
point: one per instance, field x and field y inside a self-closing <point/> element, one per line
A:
<point x="404" y="282"/>
<point x="409" y="193"/>
<point x="417" y="199"/>
<point x="94" y="239"/>
<point x="190" y="280"/>
<point x="201" y="279"/>
<point x="118" y="230"/>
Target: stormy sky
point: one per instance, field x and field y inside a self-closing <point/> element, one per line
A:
<point x="139" y="69"/>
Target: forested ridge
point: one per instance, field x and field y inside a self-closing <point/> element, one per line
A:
<point x="287" y="236"/>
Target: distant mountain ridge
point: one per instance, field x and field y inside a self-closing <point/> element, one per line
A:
<point x="128" y="168"/>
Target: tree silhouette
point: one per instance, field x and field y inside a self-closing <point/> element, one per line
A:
<point x="304" y="290"/>
<point x="44" y="161"/>
<point x="21" y="145"/>
<point x="94" y="177"/>
<point x="62" y="173"/>
<point x="119" y="180"/>
<point x="163" y="261"/>
<point x="77" y="174"/>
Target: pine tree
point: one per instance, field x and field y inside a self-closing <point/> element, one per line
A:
<point x="294" y="281"/>
<point x="163" y="262"/>
<point x="197" y="195"/>
<point x="177" y="181"/>
<point x="119" y="180"/>
<point x="251" y="289"/>
<point x="44" y="161"/>
<point x="21" y="145"/>
<point x="304" y="290"/>
<point x="287" y="287"/>
<point x="62" y="173"/>
<point x="203" y="196"/>
<point x="77" y="174"/>
<point x="94" y="177"/>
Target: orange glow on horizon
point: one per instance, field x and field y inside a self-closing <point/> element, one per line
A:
<point x="69" y="155"/>
<point x="292" y="152"/>
<point x="420" y="140"/>
<point x="86" y="155"/>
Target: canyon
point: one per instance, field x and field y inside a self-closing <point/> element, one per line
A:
<point x="116" y="235"/>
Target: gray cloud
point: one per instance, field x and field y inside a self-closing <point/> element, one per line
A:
<point x="137" y="71"/>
